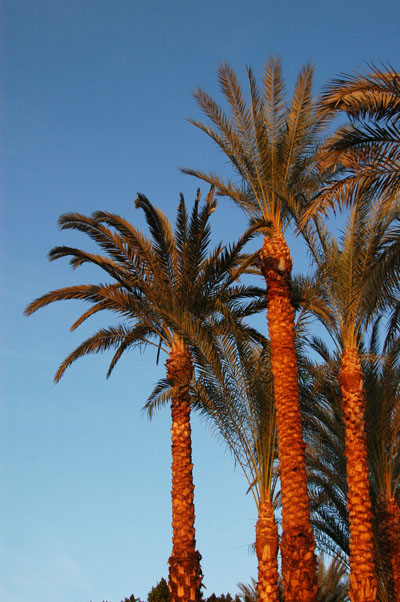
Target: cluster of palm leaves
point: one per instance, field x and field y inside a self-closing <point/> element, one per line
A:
<point x="313" y="422"/>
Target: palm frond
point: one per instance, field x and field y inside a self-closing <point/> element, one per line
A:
<point x="365" y="152"/>
<point x="87" y="292"/>
<point x="101" y="341"/>
<point x="164" y="245"/>
<point x="269" y="142"/>
<point x="374" y="93"/>
<point x="160" y="395"/>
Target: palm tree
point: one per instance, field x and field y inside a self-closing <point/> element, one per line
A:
<point x="363" y="155"/>
<point x="270" y="144"/>
<point x="358" y="276"/>
<point x="169" y="293"/>
<point x="382" y="378"/>
<point x="325" y="436"/>
<point x="239" y="403"/>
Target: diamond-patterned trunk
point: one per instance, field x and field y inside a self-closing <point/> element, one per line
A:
<point x="267" y="549"/>
<point x="363" y="584"/>
<point x="185" y="574"/>
<point x="297" y="545"/>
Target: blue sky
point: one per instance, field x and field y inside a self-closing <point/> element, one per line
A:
<point x="95" y="96"/>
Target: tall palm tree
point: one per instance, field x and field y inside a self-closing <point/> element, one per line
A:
<point x="363" y="155"/>
<point x="358" y="276"/>
<point x="270" y="144"/>
<point x="169" y="293"/>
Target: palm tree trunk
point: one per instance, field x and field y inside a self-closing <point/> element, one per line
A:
<point x="363" y="584"/>
<point x="267" y="550"/>
<point x="297" y="545"/>
<point x="185" y="574"/>
<point x="387" y="518"/>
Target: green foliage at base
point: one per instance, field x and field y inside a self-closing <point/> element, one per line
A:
<point x="222" y="598"/>
<point x="159" y="593"/>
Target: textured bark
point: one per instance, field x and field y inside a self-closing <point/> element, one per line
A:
<point x="267" y="550"/>
<point x="387" y="518"/>
<point x="297" y="545"/>
<point x="185" y="574"/>
<point x="363" y="584"/>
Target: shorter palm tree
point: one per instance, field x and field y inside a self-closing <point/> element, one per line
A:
<point x="241" y="406"/>
<point x="358" y="276"/>
<point x="382" y="378"/>
<point x="236" y="397"/>
<point x="169" y="293"/>
<point x="325" y="436"/>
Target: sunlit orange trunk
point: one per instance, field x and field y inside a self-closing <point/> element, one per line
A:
<point x="297" y="545"/>
<point x="363" y="584"/>
<point x="185" y="574"/>
<point x="267" y="550"/>
<point x="387" y="517"/>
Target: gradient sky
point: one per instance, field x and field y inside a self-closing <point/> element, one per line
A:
<point x="95" y="96"/>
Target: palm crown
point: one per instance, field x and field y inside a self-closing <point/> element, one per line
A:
<point x="163" y="288"/>
<point x="358" y="275"/>
<point x="270" y="142"/>
<point x="170" y="293"/>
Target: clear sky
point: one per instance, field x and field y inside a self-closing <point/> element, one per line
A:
<point x="95" y="96"/>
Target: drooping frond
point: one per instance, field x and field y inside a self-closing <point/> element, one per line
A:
<point x="365" y="152"/>
<point x="237" y="400"/>
<point x="109" y="241"/>
<point x="374" y="93"/>
<point x="160" y="395"/>
<point x="101" y="341"/>
<point x="88" y="292"/>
